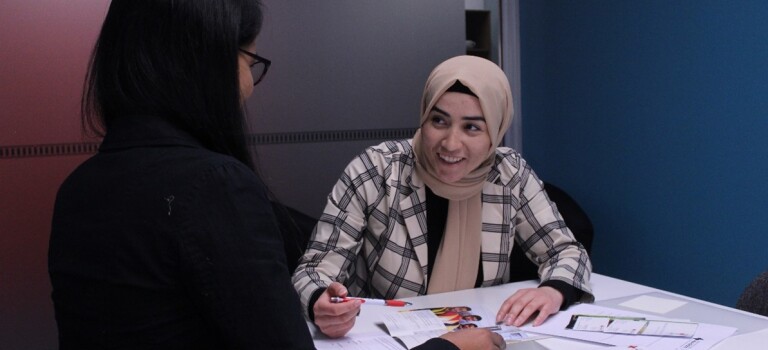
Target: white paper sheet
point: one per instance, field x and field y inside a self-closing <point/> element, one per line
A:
<point x="383" y="342"/>
<point x="407" y="323"/>
<point x="706" y="336"/>
<point x="416" y="339"/>
<point x="653" y="304"/>
<point x="750" y="341"/>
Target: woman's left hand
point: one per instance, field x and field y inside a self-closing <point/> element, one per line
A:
<point x="525" y="302"/>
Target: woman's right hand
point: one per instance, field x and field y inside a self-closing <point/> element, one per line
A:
<point x="335" y="319"/>
<point x="475" y="339"/>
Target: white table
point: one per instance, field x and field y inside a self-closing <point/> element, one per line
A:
<point x="605" y="289"/>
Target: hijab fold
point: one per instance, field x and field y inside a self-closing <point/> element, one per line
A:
<point x="456" y="264"/>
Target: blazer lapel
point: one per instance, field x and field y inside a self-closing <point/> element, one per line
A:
<point x="496" y="237"/>
<point x="413" y="208"/>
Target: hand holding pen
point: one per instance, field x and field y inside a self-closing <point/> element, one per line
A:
<point x="369" y="301"/>
<point x="335" y="319"/>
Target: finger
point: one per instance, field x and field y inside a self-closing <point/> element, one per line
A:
<point x="503" y="311"/>
<point x="507" y="305"/>
<point x="330" y="325"/>
<point x="324" y="305"/>
<point x="549" y="308"/>
<point x="336" y="289"/>
<point x="516" y="309"/>
<point x="551" y="302"/>
<point x="349" y="308"/>
<point x="543" y="315"/>
<point x="498" y="341"/>
<point x="338" y="330"/>
<point x="526" y="313"/>
<point x="334" y="317"/>
<point x="336" y="326"/>
<point x="511" y="315"/>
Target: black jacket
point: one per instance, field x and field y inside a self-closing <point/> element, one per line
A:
<point x="159" y="243"/>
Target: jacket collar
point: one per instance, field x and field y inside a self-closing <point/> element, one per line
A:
<point x="143" y="131"/>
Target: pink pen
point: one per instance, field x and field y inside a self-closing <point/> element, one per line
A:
<point x="371" y="301"/>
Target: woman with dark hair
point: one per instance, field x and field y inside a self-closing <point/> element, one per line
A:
<point x="166" y="239"/>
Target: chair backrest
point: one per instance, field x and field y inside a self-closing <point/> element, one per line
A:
<point x="755" y="297"/>
<point x="296" y="228"/>
<point x="575" y="218"/>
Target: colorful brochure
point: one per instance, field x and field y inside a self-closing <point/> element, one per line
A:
<point x="416" y="326"/>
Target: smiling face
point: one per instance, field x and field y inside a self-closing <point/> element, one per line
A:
<point x="455" y="137"/>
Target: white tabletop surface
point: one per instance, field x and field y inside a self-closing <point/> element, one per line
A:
<point x="490" y="298"/>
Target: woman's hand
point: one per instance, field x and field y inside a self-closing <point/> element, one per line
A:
<point x="335" y="319"/>
<point x="475" y="339"/>
<point x="524" y="303"/>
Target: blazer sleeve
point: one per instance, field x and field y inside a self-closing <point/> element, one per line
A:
<point x="336" y="241"/>
<point x="235" y="266"/>
<point x="544" y="237"/>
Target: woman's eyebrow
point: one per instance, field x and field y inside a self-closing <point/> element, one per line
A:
<point x="473" y="118"/>
<point x="434" y="108"/>
<point x="469" y="118"/>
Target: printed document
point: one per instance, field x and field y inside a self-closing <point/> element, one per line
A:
<point x="704" y="337"/>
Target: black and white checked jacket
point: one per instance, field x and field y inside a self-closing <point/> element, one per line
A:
<point x="372" y="233"/>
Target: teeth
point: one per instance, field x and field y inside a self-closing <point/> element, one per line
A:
<point x="450" y="159"/>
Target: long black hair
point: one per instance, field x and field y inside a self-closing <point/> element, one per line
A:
<point x="174" y="59"/>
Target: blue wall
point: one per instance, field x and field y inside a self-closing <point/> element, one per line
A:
<point x="654" y="116"/>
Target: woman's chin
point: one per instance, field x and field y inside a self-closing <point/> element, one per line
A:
<point x="450" y="178"/>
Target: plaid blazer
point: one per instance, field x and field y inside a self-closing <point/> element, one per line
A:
<point x="372" y="233"/>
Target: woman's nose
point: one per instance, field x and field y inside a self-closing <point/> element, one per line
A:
<point x="452" y="140"/>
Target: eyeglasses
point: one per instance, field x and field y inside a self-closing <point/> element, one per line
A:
<point x="259" y="66"/>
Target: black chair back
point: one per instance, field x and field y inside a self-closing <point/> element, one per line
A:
<point x="755" y="297"/>
<point x="296" y="228"/>
<point x="575" y="218"/>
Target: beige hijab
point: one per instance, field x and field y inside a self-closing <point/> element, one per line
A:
<point x="455" y="266"/>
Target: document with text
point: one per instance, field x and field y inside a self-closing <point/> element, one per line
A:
<point x="630" y="329"/>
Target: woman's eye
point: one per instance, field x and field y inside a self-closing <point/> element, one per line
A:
<point x="438" y="120"/>
<point x="473" y="127"/>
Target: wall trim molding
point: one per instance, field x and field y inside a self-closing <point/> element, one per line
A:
<point x="48" y="150"/>
<point x="80" y="148"/>
<point x="330" y="136"/>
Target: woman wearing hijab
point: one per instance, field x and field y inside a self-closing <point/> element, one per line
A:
<point x="441" y="212"/>
<point x="166" y="238"/>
